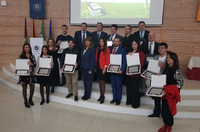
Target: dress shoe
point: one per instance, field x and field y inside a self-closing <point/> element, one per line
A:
<point x="142" y="94"/>
<point x="102" y="99"/>
<point x="127" y="103"/>
<point x="118" y="102"/>
<point x="69" y="95"/>
<point x="163" y="128"/>
<point x="83" y="97"/>
<point x="30" y="101"/>
<point x="153" y="115"/>
<point x="62" y="84"/>
<point x="76" y="98"/>
<point x="52" y="90"/>
<point x="42" y="102"/>
<point x="169" y="128"/>
<point x="47" y="101"/>
<point x="99" y="99"/>
<point x="26" y="104"/>
<point x="113" y="101"/>
<point x="86" y="98"/>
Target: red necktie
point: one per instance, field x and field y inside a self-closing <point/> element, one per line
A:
<point x="114" y="50"/>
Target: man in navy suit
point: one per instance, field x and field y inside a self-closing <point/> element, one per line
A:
<point x="141" y="34"/>
<point x="96" y="35"/>
<point x="114" y="34"/>
<point x="116" y="78"/>
<point x="79" y="38"/>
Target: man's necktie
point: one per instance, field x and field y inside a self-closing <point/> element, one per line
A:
<point x="114" y="50"/>
<point x="83" y="36"/>
<point x="150" y="48"/>
<point x="141" y="36"/>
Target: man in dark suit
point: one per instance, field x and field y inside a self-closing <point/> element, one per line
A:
<point x="79" y="38"/>
<point x="116" y="78"/>
<point x="96" y="35"/>
<point x="114" y="34"/>
<point x="142" y="34"/>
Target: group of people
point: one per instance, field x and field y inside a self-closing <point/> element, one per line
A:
<point x="93" y="59"/>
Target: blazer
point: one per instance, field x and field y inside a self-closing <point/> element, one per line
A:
<point x="119" y="36"/>
<point x="145" y="48"/>
<point x="88" y="59"/>
<point x="104" y="58"/>
<point x="156" y="58"/>
<point x="94" y="37"/>
<point x="137" y="35"/>
<point x="78" y="39"/>
<point x="121" y="51"/>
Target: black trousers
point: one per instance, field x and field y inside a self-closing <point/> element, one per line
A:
<point x="132" y="91"/>
<point x="166" y="114"/>
<point x="157" y="107"/>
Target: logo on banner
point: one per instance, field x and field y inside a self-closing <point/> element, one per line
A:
<point x="36" y="48"/>
<point x="37" y="7"/>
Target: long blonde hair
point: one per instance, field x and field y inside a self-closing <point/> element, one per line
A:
<point x="54" y="44"/>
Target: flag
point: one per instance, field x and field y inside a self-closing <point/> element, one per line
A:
<point x="50" y="30"/>
<point x="25" y="33"/>
<point x="42" y="31"/>
<point x="33" y="32"/>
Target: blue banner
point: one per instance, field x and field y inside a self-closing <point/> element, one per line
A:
<point x="37" y="8"/>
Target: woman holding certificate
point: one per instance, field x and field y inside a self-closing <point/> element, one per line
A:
<point x="171" y="95"/>
<point x="87" y="66"/>
<point x="44" y="80"/>
<point x="25" y="80"/>
<point x="53" y="51"/>
<point x="101" y="63"/>
<point x="133" y="81"/>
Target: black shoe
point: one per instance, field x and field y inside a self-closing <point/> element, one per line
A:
<point x="26" y="104"/>
<point x="76" y="98"/>
<point x="102" y="100"/>
<point x="83" y="97"/>
<point x="128" y="103"/>
<point x="113" y="101"/>
<point x="153" y="115"/>
<point x="118" y="102"/>
<point x="69" y="95"/>
<point x="47" y="101"/>
<point x="86" y="98"/>
<point x="30" y="101"/>
<point x="52" y="90"/>
<point x="142" y="94"/>
<point x="80" y="78"/>
<point x="42" y="102"/>
<point x="99" y="99"/>
<point x="62" y="84"/>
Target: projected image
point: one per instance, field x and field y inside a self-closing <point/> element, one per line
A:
<point x="115" y="8"/>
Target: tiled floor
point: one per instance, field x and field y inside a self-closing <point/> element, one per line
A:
<point x="55" y="117"/>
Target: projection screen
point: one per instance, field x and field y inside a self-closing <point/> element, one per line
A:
<point x="121" y="12"/>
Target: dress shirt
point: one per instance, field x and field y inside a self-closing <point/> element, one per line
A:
<point x="152" y="47"/>
<point x="112" y="37"/>
<point x="116" y="49"/>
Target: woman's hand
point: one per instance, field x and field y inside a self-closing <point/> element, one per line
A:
<point x="95" y="70"/>
<point x="163" y="93"/>
<point x="76" y="65"/>
<point x="51" y="64"/>
<point x="29" y="63"/>
<point x="104" y="71"/>
<point x="90" y="72"/>
<point x="158" y="74"/>
<point x="61" y="70"/>
<point x="161" y="65"/>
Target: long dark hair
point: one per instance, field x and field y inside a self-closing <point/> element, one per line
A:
<point x="104" y="47"/>
<point x="174" y="57"/>
<point x="42" y="50"/>
<point x="23" y="54"/>
<point x="138" y="44"/>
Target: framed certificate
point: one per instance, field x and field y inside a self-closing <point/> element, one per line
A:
<point x="133" y="64"/>
<point x="69" y="65"/>
<point x="115" y="63"/>
<point x="148" y="74"/>
<point x="44" y="71"/>
<point x="22" y="67"/>
<point x="133" y="69"/>
<point x="63" y="45"/>
<point x="44" y="67"/>
<point x="109" y="43"/>
<point x="148" y="57"/>
<point x="157" y="83"/>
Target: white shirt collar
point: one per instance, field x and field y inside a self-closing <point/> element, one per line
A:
<point x="65" y="35"/>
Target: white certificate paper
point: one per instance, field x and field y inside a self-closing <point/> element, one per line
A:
<point x="133" y="60"/>
<point x="22" y="67"/>
<point x="109" y="43"/>
<point x="115" y="60"/>
<point x="44" y="62"/>
<point x="70" y="61"/>
<point x="63" y="45"/>
<point x="153" y="66"/>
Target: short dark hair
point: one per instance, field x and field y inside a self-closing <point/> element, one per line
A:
<point x="101" y="24"/>
<point x="118" y="38"/>
<point x="64" y="26"/>
<point x="115" y="26"/>
<point x="141" y="22"/>
<point x="163" y="44"/>
<point x="84" y="23"/>
<point x="71" y="40"/>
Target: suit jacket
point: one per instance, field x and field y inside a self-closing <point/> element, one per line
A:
<point x="121" y="51"/>
<point x="104" y="58"/>
<point x="145" y="48"/>
<point x="156" y="58"/>
<point x="88" y="59"/>
<point x="118" y="36"/>
<point x="94" y="38"/>
<point x="137" y="35"/>
<point x="78" y="39"/>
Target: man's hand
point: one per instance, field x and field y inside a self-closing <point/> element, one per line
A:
<point x="90" y="72"/>
<point x="59" y="42"/>
<point x="119" y="72"/>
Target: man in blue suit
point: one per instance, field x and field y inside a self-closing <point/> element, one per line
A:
<point x="79" y="38"/>
<point x="96" y="35"/>
<point x="116" y="78"/>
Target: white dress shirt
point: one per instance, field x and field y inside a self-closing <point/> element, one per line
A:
<point x="152" y="47"/>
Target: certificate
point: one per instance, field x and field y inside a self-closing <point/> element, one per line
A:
<point x="148" y="74"/>
<point x="22" y="67"/>
<point x="63" y="45"/>
<point x="133" y="64"/>
<point x="109" y="43"/>
<point x="157" y="83"/>
<point x="148" y="57"/>
<point x="44" y="66"/>
<point x="115" y="63"/>
<point x="69" y="65"/>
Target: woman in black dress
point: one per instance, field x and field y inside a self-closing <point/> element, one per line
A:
<point x="174" y="76"/>
<point x="101" y="64"/>
<point x="127" y="38"/>
<point x="44" y="80"/>
<point x="53" y="51"/>
<point x="25" y="80"/>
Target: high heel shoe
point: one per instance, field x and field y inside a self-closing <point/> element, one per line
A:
<point x="99" y="99"/>
<point x="42" y="102"/>
<point x="47" y="101"/>
<point x="30" y="101"/>
<point x="102" y="100"/>
<point x="52" y="90"/>
<point x="163" y="128"/>
<point x="169" y="128"/>
<point x="26" y="104"/>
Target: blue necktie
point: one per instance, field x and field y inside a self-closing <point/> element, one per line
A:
<point x="98" y="36"/>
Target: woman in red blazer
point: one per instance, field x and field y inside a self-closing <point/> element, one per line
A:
<point x="101" y="63"/>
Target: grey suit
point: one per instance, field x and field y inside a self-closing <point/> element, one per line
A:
<point x="118" y="36"/>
